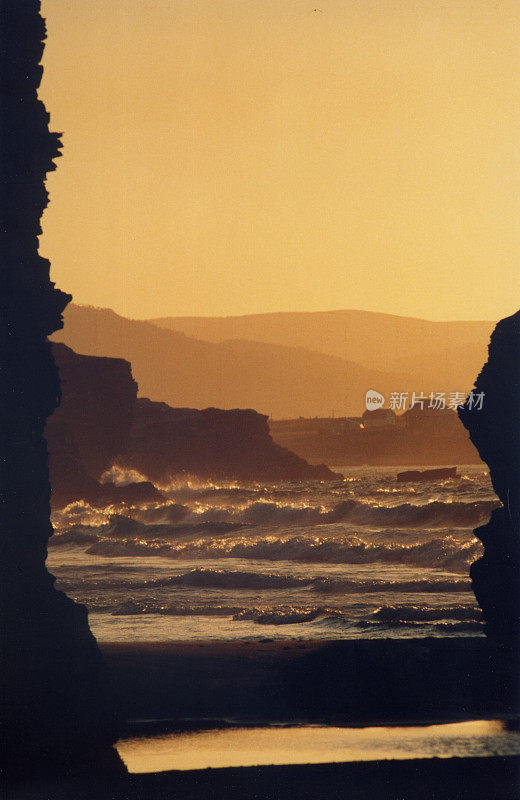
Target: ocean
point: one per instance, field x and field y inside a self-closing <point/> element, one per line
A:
<point x="363" y="556"/>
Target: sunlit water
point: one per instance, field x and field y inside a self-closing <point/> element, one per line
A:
<point x="241" y="747"/>
<point x="365" y="556"/>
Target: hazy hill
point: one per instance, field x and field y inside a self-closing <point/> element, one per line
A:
<point x="445" y="355"/>
<point x="184" y="371"/>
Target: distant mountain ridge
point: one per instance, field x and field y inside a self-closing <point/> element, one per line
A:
<point x="452" y="351"/>
<point x="284" y="378"/>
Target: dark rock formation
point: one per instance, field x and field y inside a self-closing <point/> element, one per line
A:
<point x="97" y="406"/>
<point x="55" y="695"/>
<point x="427" y="474"/>
<point x="71" y="481"/>
<point x="493" y="422"/>
<point x="94" y="428"/>
<point x="167" y="442"/>
<point x="90" y="428"/>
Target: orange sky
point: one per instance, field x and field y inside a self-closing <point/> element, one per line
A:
<point x="239" y="156"/>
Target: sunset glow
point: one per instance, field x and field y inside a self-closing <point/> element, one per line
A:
<point x="234" y="157"/>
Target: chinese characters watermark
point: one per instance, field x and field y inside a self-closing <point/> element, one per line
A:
<point x="436" y="401"/>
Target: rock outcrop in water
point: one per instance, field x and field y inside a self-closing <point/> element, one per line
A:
<point x="100" y="423"/>
<point x="97" y="405"/>
<point x="56" y="699"/>
<point x="416" y="475"/>
<point x="494" y="429"/>
<point x="90" y="428"/>
<point x="213" y="444"/>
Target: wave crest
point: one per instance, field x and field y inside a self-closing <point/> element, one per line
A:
<point x="447" y="553"/>
<point x="425" y="614"/>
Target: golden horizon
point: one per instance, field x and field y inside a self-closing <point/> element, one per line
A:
<point x="225" y="159"/>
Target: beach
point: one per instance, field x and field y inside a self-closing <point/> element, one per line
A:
<point x="431" y="779"/>
<point x="350" y="682"/>
<point x="250" y="631"/>
<point x="179" y="687"/>
<point x="343" y="605"/>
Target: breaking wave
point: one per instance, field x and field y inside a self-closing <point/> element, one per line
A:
<point x="121" y="577"/>
<point x="123" y="527"/>
<point x="223" y="579"/>
<point x="286" y="615"/>
<point x="283" y="616"/>
<point x="172" y="519"/>
<point x="443" y="627"/>
<point x="445" y="553"/>
<point x="340" y="585"/>
<point x="131" y="607"/>
<point x="433" y="514"/>
<point x="425" y="614"/>
<point x="455" y="618"/>
<point x="81" y="534"/>
<point x="235" y="579"/>
<point x="405" y="515"/>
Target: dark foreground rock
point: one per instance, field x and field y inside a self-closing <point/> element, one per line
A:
<point x="418" y="779"/>
<point x="213" y="444"/>
<point x="56" y="696"/>
<point x="494" y="429"/>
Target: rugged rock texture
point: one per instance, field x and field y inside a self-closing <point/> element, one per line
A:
<point x="494" y="429"/>
<point x="90" y="428"/>
<point x="167" y="442"/>
<point x="71" y="480"/>
<point x="97" y="405"/>
<point x="94" y="428"/>
<point x="55" y="694"/>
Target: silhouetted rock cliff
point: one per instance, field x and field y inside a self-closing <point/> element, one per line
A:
<point x="57" y="703"/>
<point x="167" y="442"/>
<point x="90" y="428"/>
<point x="97" y="405"/>
<point x="100" y="423"/>
<point x="493" y="422"/>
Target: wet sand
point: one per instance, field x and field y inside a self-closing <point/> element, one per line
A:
<point x="431" y="779"/>
<point x="177" y="685"/>
<point x="348" y="682"/>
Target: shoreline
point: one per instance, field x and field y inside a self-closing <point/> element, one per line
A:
<point x="348" y="683"/>
<point x="136" y="728"/>
<point x="344" y="682"/>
